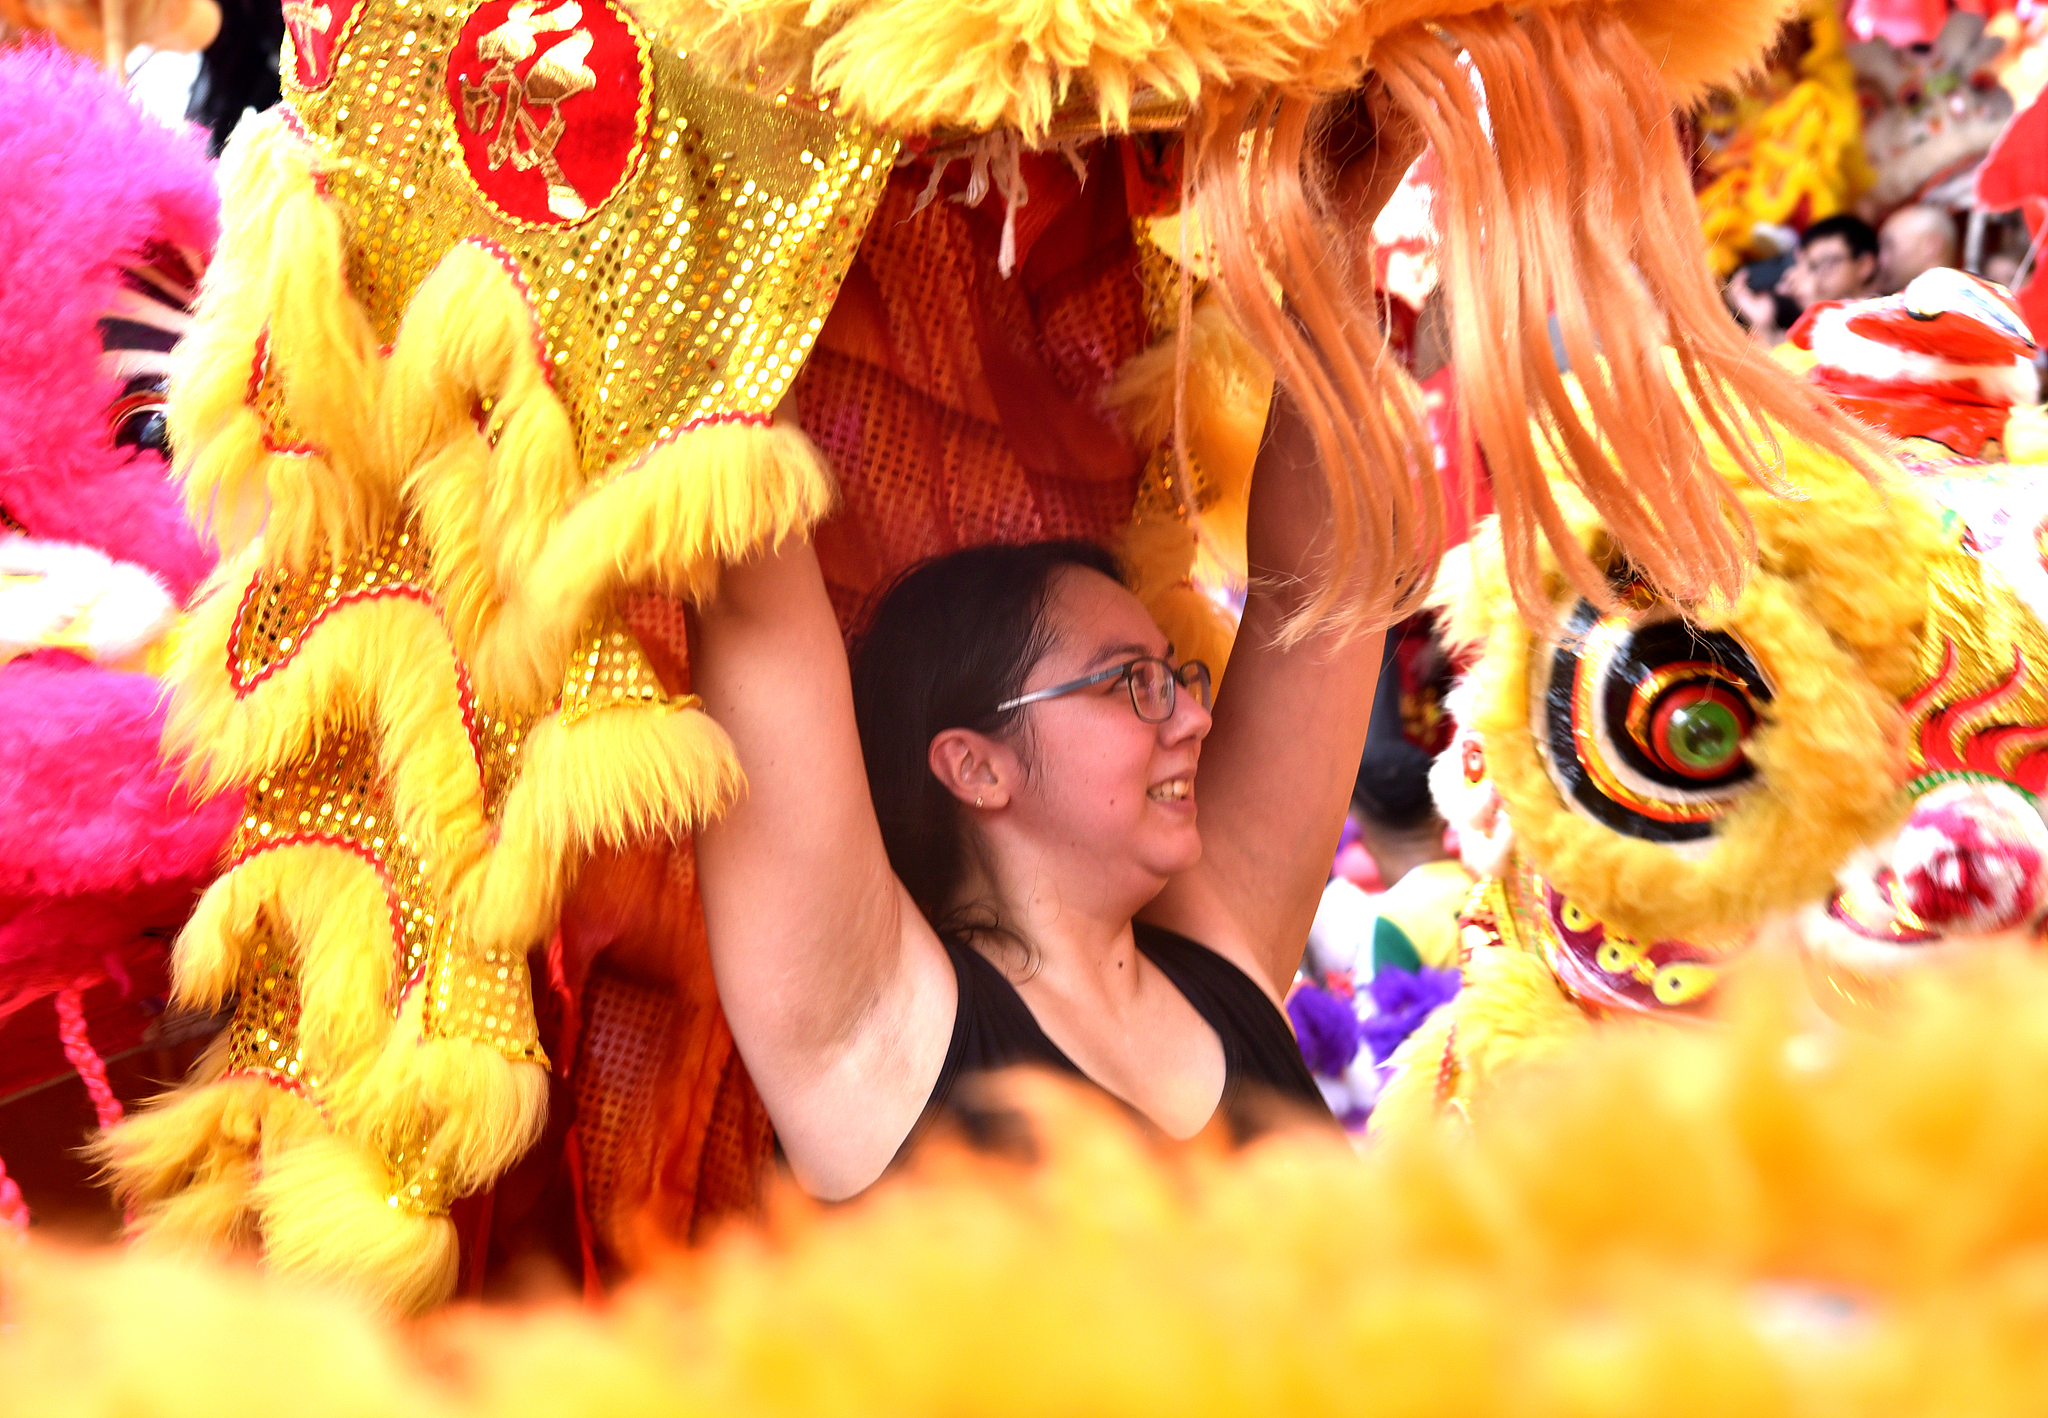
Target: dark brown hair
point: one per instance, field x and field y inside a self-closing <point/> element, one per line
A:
<point x="948" y="641"/>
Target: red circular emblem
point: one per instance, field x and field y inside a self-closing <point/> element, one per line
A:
<point x="317" y="29"/>
<point x="549" y="99"/>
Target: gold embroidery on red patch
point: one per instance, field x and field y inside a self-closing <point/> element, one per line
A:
<point x="315" y="31"/>
<point x="550" y="105"/>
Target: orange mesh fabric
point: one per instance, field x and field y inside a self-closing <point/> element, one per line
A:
<point x="958" y="407"/>
<point x="626" y="1027"/>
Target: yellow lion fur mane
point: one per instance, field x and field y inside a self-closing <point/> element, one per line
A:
<point x="1770" y="1216"/>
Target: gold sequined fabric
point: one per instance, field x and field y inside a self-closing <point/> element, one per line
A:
<point x="280" y="609"/>
<point x="263" y="1035"/>
<point x="693" y="291"/>
<point x="337" y="799"/>
<point x="609" y="668"/>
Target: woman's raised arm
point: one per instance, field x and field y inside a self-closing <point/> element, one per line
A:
<point x="840" y="997"/>
<point x="1290" y="723"/>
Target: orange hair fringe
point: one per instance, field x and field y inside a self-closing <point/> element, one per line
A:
<point x="1564" y="194"/>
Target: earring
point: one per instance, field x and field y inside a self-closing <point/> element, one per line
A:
<point x="977" y="800"/>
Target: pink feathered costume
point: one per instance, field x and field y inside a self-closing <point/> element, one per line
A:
<point x="102" y="854"/>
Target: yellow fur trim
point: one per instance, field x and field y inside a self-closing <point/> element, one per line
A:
<point x="1229" y="389"/>
<point x="524" y="554"/>
<point x="1408" y="1103"/>
<point x="1759" y="1218"/>
<point x="327" y="1216"/>
<point x="455" y="1109"/>
<point x="1510" y="1010"/>
<point x="712" y="495"/>
<point x="278" y="278"/>
<point x="915" y="65"/>
<point x="334" y="908"/>
<point x="621" y="776"/>
<point x="186" y="1165"/>
<point x="383" y="664"/>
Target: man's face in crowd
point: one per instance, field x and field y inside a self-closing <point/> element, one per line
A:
<point x="1826" y="270"/>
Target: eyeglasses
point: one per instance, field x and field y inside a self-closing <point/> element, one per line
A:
<point x="1152" y="682"/>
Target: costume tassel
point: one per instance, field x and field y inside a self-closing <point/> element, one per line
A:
<point x="80" y="1053"/>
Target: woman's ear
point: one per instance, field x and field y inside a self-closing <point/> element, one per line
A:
<point x="973" y="767"/>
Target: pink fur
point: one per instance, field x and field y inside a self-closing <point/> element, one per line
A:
<point x="99" y="845"/>
<point x="101" y="852"/>
<point x="86" y="181"/>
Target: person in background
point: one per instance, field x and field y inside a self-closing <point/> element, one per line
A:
<point x="1914" y="239"/>
<point x="1378" y="965"/>
<point x="1756" y="294"/>
<point x="1838" y="260"/>
<point x="1412" y="921"/>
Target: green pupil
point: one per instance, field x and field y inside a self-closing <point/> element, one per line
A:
<point x="1704" y="734"/>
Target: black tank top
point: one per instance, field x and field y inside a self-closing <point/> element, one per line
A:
<point x="1265" y="1080"/>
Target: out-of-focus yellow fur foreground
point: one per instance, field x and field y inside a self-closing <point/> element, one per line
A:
<point x="1772" y="1216"/>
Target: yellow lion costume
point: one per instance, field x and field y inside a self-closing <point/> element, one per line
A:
<point x="1849" y="755"/>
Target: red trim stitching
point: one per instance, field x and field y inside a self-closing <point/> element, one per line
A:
<point x="513" y="269"/>
<point x="391" y="901"/>
<point x="244" y="687"/>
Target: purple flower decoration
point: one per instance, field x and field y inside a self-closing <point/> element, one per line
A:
<point x="1327" y="1029"/>
<point x="1401" y="1000"/>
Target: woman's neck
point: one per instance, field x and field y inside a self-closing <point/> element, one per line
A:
<point x="1080" y="947"/>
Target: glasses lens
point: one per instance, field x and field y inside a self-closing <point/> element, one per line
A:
<point x="1195" y="675"/>
<point x="1152" y="690"/>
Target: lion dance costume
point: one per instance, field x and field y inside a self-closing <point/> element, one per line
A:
<point x="530" y="314"/>
<point x="1851" y="755"/>
<point x="106" y="219"/>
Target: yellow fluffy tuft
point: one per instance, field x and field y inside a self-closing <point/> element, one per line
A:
<point x="1229" y="388"/>
<point x="280" y="277"/>
<point x="487" y="506"/>
<point x="453" y="1105"/>
<point x="711" y="495"/>
<point x="383" y="664"/>
<point x="917" y="65"/>
<point x="619" y="776"/>
<point x="328" y="1217"/>
<point x="334" y="909"/>
<point x="185" y="1166"/>
<point x="1157" y="553"/>
<point x="1758" y="1218"/>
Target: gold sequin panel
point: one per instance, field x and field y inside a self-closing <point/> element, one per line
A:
<point x="263" y="1036"/>
<point x="280" y="609"/>
<point x="696" y="290"/>
<point x="609" y="668"/>
<point x="336" y="798"/>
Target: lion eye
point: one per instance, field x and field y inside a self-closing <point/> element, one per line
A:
<point x="1646" y="724"/>
<point x="137" y="417"/>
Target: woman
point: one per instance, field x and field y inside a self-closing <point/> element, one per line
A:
<point x="1070" y="788"/>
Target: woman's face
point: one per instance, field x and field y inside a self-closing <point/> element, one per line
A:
<point x="1104" y="787"/>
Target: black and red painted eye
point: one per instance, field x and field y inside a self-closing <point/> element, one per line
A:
<point x="1646" y="724"/>
<point x="137" y="417"/>
<point x="148" y="314"/>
